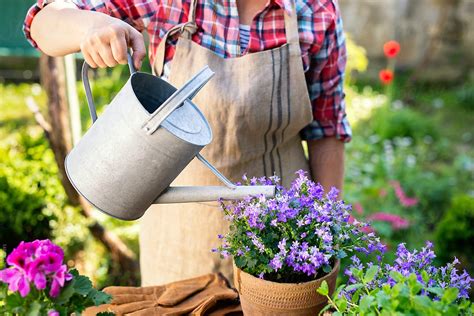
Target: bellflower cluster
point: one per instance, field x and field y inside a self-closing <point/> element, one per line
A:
<point x="295" y="235"/>
<point x="38" y="263"/>
<point x="418" y="262"/>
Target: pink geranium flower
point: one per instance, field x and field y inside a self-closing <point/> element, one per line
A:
<point x="39" y="262"/>
<point x="16" y="279"/>
<point x="397" y="222"/>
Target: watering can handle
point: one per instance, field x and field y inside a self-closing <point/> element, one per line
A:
<point x="87" y="86"/>
<point x="187" y="91"/>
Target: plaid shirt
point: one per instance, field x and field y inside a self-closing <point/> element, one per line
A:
<point x="322" y="42"/>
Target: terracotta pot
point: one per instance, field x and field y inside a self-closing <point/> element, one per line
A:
<point x="261" y="297"/>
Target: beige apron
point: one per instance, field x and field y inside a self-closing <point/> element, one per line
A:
<point x="256" y="105"/>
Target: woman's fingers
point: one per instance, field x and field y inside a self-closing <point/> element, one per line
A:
<point x="107" y="45"/>
<point x="107" y="56"/>
<point x="89" y="59"/>
<point x="137" y="44"/>
<point x="119" y="50"/>
<point x="98" y="59"/>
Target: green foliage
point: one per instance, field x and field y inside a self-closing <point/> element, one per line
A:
<point x="407" y="296"/>
<point x="26" y="191"/>
<point x="389" y="123"/>
<point x="75" y="297"/>
<point x="455" y="234"/>
<point x="465" y="96"/>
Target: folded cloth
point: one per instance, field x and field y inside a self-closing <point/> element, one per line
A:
<point x="208" y="294"/>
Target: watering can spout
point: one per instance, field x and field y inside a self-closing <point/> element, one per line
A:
<point x="187" y="194"/>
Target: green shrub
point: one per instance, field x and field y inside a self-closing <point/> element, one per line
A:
<point x="465" y="96"/>
<point x="390" y="123"/>
<point x="26" y="211"/>
<point x="455" y="232"/>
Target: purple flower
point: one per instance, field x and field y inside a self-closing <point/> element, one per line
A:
<point x="52" y="312"/>
<point x="418" y="262"/>
<point x="299" y="230"/>
<point x="276" y="263"/>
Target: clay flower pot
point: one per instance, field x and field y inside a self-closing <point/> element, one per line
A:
<point x="261" y="297"/>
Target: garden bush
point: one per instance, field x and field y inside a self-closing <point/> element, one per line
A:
<point x="24" y="206"/>
<point x="455" y="234"/>
<point x="389" y="123"/>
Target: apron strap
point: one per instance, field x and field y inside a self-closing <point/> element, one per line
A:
<point x="186" y="29"/>
<point x="291" y="28"/>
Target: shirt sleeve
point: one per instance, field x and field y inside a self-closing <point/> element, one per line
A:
<point x="135" y="13"/>
<point x="325" y="80"/>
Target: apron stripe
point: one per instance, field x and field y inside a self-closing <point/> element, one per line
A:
<point x="271" y="121"/>
<point x="288" y="91"/>
<point x="280" y="114"/>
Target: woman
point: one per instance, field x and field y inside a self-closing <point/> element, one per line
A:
<point x="279" y="69"/>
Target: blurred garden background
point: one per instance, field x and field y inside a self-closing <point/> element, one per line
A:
<point x="409" y="167"/>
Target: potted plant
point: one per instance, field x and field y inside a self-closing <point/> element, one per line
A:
<point x="284" y="247"/>
<point x="410" y="285"/>
<point x="37" y="282"/>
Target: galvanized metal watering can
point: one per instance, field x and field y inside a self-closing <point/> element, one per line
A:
<point x="146" y="136"/>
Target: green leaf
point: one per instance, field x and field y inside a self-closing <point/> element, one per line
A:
<point x="66" y="293"/>
<point x="416" y="288"/>
<point x="450" y="295"/>
<point x="422" y="302"/>
<point x="14" y="300"/>
<point x="355" y="286"/>
<point x="436" y="290"/>
<point x="82" y="285"/>
<point x="370" y="274"/>
<point x="251" y="263"/>
<point x="425" y="276"/>
<point x="323" y="288"/>
<point x="105" y="314"/>
<point x="74" y="273"/>
<point x="365" y="303"/>
<point x="34" y="309"/>
<point x="327" y="268"/>
<point x="342" y="305"/>
<point x="383" y="299"/>
<point x="341" y="254"/>
<point x="99" y="297"/>
<point x="397" y="276"/>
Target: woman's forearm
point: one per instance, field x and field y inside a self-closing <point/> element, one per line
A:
<point x="326" y="157"/>
<point x="61" y="28"/>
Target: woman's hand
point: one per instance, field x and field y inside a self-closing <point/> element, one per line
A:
<point x="106" y="44"/>
<point x="61" y="28"/>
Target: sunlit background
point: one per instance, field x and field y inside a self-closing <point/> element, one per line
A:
<point x="409" y="167"/>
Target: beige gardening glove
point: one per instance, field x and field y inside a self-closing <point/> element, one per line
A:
<point x="205" y="295"/>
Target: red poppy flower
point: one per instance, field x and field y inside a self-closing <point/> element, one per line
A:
<point x="386" y="76"/>
<point x="391" y="49"/>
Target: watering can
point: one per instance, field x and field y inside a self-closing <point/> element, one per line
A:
<point x="146" y="136"/>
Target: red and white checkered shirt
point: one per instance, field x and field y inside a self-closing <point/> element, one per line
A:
<point x="322" y="42"/>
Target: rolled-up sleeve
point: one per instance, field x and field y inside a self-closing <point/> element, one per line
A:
<point x="325" y="80"/>
<point x="135" y="13"/>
